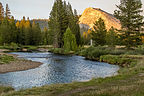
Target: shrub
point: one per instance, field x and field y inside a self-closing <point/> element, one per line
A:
<point x="93" y="52"/>
<point x="119" y="60"/>
<point x="69" y="41"/>
<point x="117" y="52"/>
<point x="14" y="46"/>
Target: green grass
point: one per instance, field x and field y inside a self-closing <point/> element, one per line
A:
<point x="5" y="89"/>
<point x="16" y="47"/>
<point x="129" y="82"/>
<point x="30" y="48"/>
<point x="5" y="59"/>
<point x="120" y="60"/>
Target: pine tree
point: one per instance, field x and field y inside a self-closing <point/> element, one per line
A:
<point x="47" y="37"/>
<point x="69" y="40"/>
<point x="27" y="32"/>
<point x="73" y="22"/>
<point x="111" y="37"/>
<point x="4" y="32"/>
<point x="21" y="36"/>
<point x="63" y="21"/>
<point x="1" y="12"/>
<point x="129" y="13"/>
<point x="99" y="32"/>
<point x="54" y="25"/>
<point x="7" y="12"/>
<point x="36" y="34"/>
<point x="61" y="17"/>
<point x="77" y="28"/>
<point x="13" y="31"/>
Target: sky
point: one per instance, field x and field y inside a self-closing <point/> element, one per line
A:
<point x="40" y="9"/>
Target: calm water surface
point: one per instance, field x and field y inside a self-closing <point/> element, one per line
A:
<point x="56" y="69"/>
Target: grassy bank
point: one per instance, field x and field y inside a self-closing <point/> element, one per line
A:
<point x="129" y="81"/>
<point x="16" y="47"/>
<point x="61" y="51"/>
<point x="5" y="59"/>
<point x="5" y="89"/>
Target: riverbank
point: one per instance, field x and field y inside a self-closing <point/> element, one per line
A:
<point x="117" y="56"/>
<point x="129" y="82"/>
<point x="16" y="64"/>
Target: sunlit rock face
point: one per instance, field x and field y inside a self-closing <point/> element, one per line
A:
<point x="91" y="15"/>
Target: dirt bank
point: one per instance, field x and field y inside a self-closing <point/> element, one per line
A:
<point x="18" y="64"/>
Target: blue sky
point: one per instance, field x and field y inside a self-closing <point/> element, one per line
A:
<point x="41" y="8"/>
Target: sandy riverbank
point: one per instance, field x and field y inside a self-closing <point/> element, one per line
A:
<point x="18" y="65"/>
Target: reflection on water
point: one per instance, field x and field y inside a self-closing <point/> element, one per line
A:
<point x="56" y="69"/>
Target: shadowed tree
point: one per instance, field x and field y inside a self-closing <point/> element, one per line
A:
<point x="1" y="12"/>
<point x="99" y="32"/>
<point x="129" y="13"/>
<point x="7" y="12"/>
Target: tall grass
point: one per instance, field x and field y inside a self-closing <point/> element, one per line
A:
<point x="5" y="89"/>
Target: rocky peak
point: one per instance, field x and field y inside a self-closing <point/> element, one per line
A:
<point x="91" y="15"/>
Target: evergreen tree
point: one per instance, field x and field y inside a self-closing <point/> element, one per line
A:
<point x="7" y="12"/>
<point x="54" y="25"/>
<point x="74" y="22"/>
<point x="27" y="32"/>
<point x="63" y="21"/>
<point x="99" y="32"/>
<point x="13" y="31"/>
<point x="1" y="12"/>
<point x="129" y="13"/>
<point x="111" y="37"/>
<point x="77" y="28"/>
<point x="4" y="32"/>
<point x="61" y="17"/>
<point x="69" y="41"/>
<point x="47" y="37"/>
<point x="36" y="34"/>
<point x="21" y="36"/>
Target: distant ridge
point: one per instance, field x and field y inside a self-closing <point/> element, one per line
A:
<point x="43" y="23"/>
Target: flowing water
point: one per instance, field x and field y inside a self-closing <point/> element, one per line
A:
<point x="56" y="69"/>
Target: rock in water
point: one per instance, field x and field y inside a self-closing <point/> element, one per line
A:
<point x="91" y="15"/>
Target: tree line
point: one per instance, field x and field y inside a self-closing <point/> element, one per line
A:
<point x="63" y="28"/>
<point x="21" y="32"/>
<point x="24" y="32"/>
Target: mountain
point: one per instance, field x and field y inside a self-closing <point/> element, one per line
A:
<point x="91" y="15"/>
<point x="42" y="22"/>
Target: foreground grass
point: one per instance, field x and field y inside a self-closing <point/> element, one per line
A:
<point x="129" y="82"/>
<point x="5" y="89"/>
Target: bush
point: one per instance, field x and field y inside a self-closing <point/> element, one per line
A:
<point x="93" y="52"/>
<point x="119" y="60"/>
<point x="14" y="46"/>
<point x="135" y="52"/>
<point x="117" y="52"/>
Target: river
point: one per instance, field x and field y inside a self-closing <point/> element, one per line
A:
<point x="56" y="69"/>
